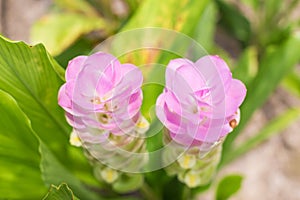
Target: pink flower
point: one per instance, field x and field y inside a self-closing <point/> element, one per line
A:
<point x="200" y="102"/>
<point x="102" y="93"/>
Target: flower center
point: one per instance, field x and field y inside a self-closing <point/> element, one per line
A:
<point x="96" y="100"/>
<point x="103" y="118"/>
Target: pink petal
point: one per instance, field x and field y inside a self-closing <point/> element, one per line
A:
<point x="63" y="99"/>
<point x="172" y="69"/>
<point x="74" y="121"/>
<point x="169" y="118"/>
<point x="235" y="96"/>
<point x="182" y="78"/>
<point x="74" y="67"/>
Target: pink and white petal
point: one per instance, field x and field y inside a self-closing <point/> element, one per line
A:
<point x="63" y="99"/>
<point x="192" y="76"/>
<point x="171" y="120"/>
<point x="214" y="70"/>
<point x="172" y="69"/>
<point x="216" y="77"/>
<point x="93" y="136"/>
<point x="74" y="121"/>
<point x="235" y="96"/>
<point x="131" y="78"/>
<point x="185" y="140"/>
<point x="135" y="103"/>
<point x="101" y="62"/>
<point x="74" y="67"/>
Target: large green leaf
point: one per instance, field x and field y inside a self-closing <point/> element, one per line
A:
<point x="62" y="192"/>
<point x="58" y="31"/>
<point x="23" y="154"/>
<point x="19" y="157"/>
<point x="29" y="75"/>
<point x="54" y="172"/>
<point x="180" y="16"/>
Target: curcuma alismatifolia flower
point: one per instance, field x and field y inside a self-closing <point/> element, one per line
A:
<point x="102" y="100"/>
<point x="100" y="92"/>
<point x="199" y="106"/>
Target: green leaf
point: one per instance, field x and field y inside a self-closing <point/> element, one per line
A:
<point x="62" y="192"/>
<point x="234" y="21"/>
<point x="228" y="186"/>
<point x="155" y="13"/>
<point x="205" y="30"/>
<point x="271" y="9"/>
<point x="54" y="172"/>
<point x="23" y="154"/>
<point x="292" y="83"/>
<point x="59" y="31"/>
<point x="274" y="65"/>
<point x="247" y="66"/>
<point x="19" y="158"/>
<point x="29" y="75"/>
<point x="276" y="126"/>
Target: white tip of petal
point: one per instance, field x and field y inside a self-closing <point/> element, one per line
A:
<point x="187" y="161"/>
<point x="142" y="125"/>
<point x="75" y="140"/>
<point x="192" y="179"/>
<point x="109" y="175"/>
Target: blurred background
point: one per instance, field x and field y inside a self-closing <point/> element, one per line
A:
<point x="259" y="39"/>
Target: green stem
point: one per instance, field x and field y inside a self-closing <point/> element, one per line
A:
<point x="148" y="193"/>
<point x="186" y="194"/>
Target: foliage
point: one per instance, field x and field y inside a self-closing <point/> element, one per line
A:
<point x="60" y="192"/>
<point x="228" y="186"/>
<point x="34" y="149"/>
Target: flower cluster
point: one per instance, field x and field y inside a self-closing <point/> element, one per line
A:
<point x="199" y="107"/>
<point x="101" y="93"/>
<point x="102" y="100"/>
<point x="200" y="102"/>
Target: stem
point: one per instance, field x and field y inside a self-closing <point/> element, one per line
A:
<point x="149" y="193"/>
<point x="186" y="194"/>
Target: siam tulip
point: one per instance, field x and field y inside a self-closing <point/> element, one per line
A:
<point x="102" y="100"/>
<point x="199" y="107"/>
<point x="102" y="93"/>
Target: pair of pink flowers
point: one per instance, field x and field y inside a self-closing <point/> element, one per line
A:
<point x="199" y="104"/>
